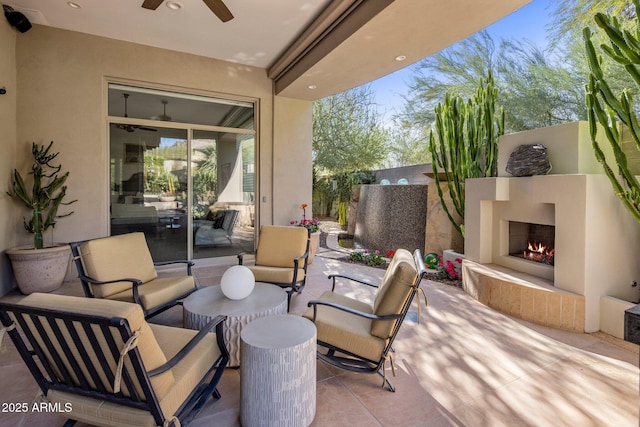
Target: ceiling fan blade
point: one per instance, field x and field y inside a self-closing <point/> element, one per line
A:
<point x="147" y="129"/>
<point x="151" y="4"/>
<point x="220" y="9"/>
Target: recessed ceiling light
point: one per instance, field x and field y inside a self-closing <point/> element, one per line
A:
<point x="312" y="87"/>
<point x="73" y="5"/>
<point x="400" y="58"/>
<point x="174" y="5"/>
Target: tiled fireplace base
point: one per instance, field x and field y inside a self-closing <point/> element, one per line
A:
<point x="524" y="296"/>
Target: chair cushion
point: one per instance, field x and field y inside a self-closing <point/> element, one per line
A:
<point x="275" y="274"/>
<point x="150" y="352"/>
<point x="344" y="330"/>
<point x="188" y="374"/>
<point x="159" y="291"/>
<point x="100" y="412"/>
<point x="279" y="245"/>
<point x="117" y="257"/>
<point x="191" y="370"/>
<point x="393" y="291"/>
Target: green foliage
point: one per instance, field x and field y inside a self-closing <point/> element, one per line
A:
<point x="406" y="146"/>
<point x="606" y="109"/>
<point x="464" y="143"/>
<point x="347" y="135"/>
<point x="536" y="88"/>
<point x="371" y="259"/>
<point x="572" y="15"/>
<point x="47" y="192"/>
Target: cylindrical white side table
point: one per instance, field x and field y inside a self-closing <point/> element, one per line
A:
<point x="278" y="372"/>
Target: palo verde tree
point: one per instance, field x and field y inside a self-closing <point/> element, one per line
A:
<point x="608" y="110"/>
<point x="464" y="143"/>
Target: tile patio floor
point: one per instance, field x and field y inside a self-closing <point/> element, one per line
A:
<point x="463" y="365"/>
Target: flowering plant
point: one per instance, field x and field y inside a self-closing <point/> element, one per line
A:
<point x="448" y="271"/>
<point x="310" y="224"/>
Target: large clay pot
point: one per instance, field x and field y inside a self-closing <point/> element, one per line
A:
<point x="39" y="270"/>
<point x="314" y="244"/>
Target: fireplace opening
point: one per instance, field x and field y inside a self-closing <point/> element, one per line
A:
<point x="533" y="242"/>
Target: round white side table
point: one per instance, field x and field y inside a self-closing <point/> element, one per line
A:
<point x="278" y="372"/>
<point x="206" y="303"/>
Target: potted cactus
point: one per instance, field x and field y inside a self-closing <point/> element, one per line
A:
<point x="40" y="267"/>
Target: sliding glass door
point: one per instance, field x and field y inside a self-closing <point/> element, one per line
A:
<point x="223" y="193"/>
<point x="189" y="186"/>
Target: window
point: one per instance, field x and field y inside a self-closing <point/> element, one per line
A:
<point x="182" y="171"/>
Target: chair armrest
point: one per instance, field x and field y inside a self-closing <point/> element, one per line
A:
<point x="218" y="323"/>
<point x="334" y="276"/>
<point x="189" y="264"/>
<point x="316" y="303"/>
<point x="134" y="282"/>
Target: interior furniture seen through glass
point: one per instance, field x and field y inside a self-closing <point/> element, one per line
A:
<point x="182" y="171"/>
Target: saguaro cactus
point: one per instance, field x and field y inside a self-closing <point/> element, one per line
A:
<point x="464" y="143"/>
<point x="606" y="109"/>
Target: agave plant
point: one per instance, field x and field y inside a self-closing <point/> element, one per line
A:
<point x="46" y="195"/>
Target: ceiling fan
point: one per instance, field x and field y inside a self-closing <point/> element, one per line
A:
<point x="217" y="6"/>
<point x="131" y="128"/>
<point x="163" y="117"/>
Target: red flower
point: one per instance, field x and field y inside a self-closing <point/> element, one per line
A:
<point x="390" y="253"/>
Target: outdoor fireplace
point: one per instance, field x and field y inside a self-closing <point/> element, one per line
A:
<point x="532" y="242"/>
<point x="574" y="213"/>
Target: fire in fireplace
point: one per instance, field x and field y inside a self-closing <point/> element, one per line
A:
<point x="533" y="242"/>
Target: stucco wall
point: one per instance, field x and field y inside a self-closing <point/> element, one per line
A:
<point x="291" y="152"/>
<point x="8" y="216"/>
<point x="61" y="85"/>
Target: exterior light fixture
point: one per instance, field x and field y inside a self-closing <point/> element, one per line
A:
<point x="73" y="5"/>
<point x="400" y="58"/>
<point x="312" y="87"/>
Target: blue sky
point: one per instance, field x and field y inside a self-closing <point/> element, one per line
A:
<point x="529" y="22"/>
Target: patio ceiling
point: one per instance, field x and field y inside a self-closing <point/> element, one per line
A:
<point x="329" y="45"/>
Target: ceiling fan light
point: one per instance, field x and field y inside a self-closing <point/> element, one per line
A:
<point x="174" y="5"/>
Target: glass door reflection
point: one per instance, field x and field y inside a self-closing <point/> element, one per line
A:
<point x="149" y="184"/>
<point x="223" y="193"/>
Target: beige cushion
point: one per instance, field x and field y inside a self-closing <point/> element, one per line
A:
<point x="188" y="373"/>
<point x="150" y="352"/>
<point x="393" y="291"/>
<point x="191" y="370"/>
<point x="117" y="257"/>
<point x="275" y="274"/>
<point x="279" y="245"/>
<point x="100" y="412"/>
<point x="158" y="291"/>
<point x="345" y="330"/>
